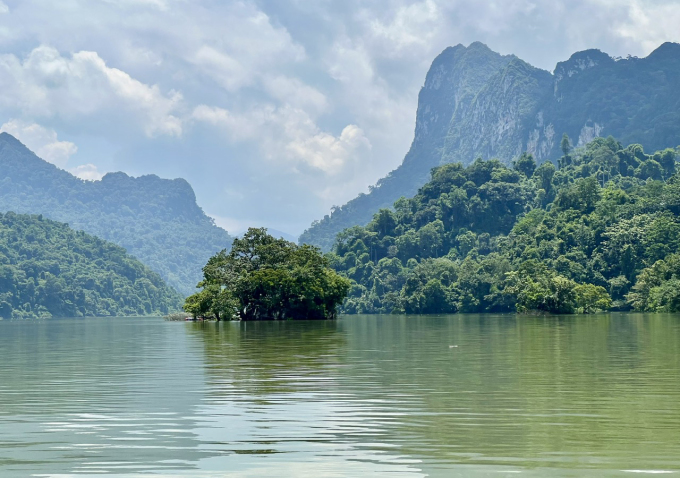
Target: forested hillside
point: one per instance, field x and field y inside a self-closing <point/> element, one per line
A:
<point x="155" y="220"/>
<point x="49" y="270"/>
<point x="600" y="231"/>
<point x="477" y="103"/>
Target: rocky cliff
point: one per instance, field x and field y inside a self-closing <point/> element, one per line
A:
<point x="477" y="103"/>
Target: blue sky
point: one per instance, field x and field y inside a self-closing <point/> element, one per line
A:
<point x="274" y="110"/>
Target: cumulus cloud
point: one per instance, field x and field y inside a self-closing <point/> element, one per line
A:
<point x="294" y="92"/>
<point x="89" y="172"/>
<point x="645" y="23"/>
<point x="329" y="153"/>
<point x="252" y="48"/>
<point x="413" y="24"/>
<point x="42" y="141"/>
<point x="46" y="84"/>
<point x="290" y="134"/>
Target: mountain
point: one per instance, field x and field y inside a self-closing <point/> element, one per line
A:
<point x="49" y="270"/>
<point x="477" y="103"/>
<point x="156" y="220"/>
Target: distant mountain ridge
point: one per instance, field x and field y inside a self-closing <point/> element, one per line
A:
<point x="478" y="103"/>
<point x="156" y="220"/>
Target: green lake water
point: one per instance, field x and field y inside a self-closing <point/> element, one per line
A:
<point x="441" y="396"/>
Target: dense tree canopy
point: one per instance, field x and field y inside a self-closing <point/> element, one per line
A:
<point x="263" y="278"/>
<point x="49" y="270"/>
<point x="587" y="236"/>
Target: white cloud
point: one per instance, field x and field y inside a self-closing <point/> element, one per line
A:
<point x="46" y="85"/>
<point x="329" y="153"/>
<point x="160" y="4"/>
<point x="294" y="92"/>
<point x="246" y="47"/>
<point x="289" y="134"/>
<point x="89" y="172"/>
<point x="414" y="24"/>
<point x="42" y="141"/>
<point x="227" y="71"/>
<point x="3" y="8"/>
<point x="646" y="23"/>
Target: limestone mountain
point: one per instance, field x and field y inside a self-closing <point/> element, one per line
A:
<point x="156" y="220"/>
<point x="477" y="103"/>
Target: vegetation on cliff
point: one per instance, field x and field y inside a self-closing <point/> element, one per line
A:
<point x="598" y="232"/>
<point x="49" y="270"/>
<point x="263" y="278"/>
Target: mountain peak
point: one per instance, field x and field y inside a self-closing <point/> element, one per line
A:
<point x="8" y="139"/>
<point x="580" y="61"/>
<point x="667" y="51"/>
<point x="115" y="176"/>
<point x="478" y="45"/>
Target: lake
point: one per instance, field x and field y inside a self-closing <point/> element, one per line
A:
<point x="393" y="396"/>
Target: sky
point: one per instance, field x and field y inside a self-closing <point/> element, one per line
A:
<point x="273" y="110"/>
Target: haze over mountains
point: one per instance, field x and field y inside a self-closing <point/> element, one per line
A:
<point x="156" y="220"/>
<point x="478" y="103"/>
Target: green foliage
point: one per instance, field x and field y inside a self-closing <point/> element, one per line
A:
<point x="263" y="278"/>
<point x="526" y="164"/>
<point x="155" y="220"/>
<point x="658" y="287"/>
<point x="489" y="238"/>
<point x="534" y="287"/>
<point x="49" y="270"/>
<point x="565" y="145"/>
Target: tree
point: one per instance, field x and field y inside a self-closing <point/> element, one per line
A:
<point x="666" y="159"/>
<point x="525" y="164"/>
<point x="658" y="287"/>
<point x="537" y="288"/>
<point x="383" y="223"/>
<point x="591" y="298"/>
<point x="565" y="145"/>
<point x="544" y="175"/>
<point x="263" y="278"/>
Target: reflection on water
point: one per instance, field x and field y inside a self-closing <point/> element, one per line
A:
<point x="410" y="397"/>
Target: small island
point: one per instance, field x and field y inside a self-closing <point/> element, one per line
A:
<point x="264" y="278"/>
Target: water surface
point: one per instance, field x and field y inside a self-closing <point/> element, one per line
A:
<point x="443" y="396"/>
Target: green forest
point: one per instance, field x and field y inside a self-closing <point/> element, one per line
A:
<point x="48" y="270"/>
<point x="600" y="231"/>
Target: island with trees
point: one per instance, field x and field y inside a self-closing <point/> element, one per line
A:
<point x="264" y="278"/>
